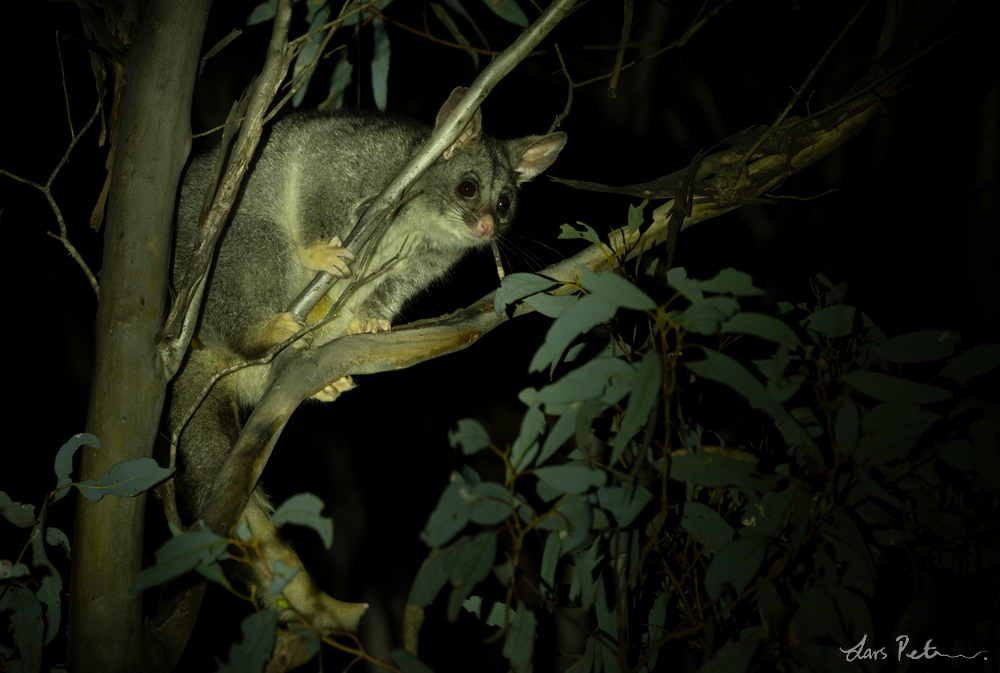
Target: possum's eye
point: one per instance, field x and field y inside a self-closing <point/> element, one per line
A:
<point x="503" y="205"/>
<point x="467" y="189"/>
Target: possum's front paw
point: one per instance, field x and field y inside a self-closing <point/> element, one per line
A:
<point x="284" y="325"/>
<point x="371" y="326"/>
<point x="331" y="257"/>
<point x="334" y="389"/>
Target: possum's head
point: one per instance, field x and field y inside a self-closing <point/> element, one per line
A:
<point x="471" y="190"/>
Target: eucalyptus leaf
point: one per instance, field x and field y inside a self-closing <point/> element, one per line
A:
<point x="736" y="564"/>
<point x="303" y="509"/>
<point x="126" y="479"/>
<point x="707" y="525"/>
<point x="924" y="346"/>
<point x="890" y="388"/>
<point x="517" y="286"/>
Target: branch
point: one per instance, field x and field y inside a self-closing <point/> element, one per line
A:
<point x="180" y="323"/>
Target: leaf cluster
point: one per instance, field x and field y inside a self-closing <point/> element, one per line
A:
<point x="874" y="452"/>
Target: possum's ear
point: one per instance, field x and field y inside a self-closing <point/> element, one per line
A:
<point x="472" y="130"/>
<point x="532" y="155"/>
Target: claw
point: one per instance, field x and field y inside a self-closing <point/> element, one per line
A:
<point x="370" y="326"/>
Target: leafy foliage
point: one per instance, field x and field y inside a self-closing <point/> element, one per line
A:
<point x="320" y="13"/>
<point x="32" y="594"/>
<point x="772" y="552"/>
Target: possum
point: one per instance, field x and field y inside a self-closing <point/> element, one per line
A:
<point x="311" y="180"/>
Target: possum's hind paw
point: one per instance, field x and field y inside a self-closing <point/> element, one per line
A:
<point x="282" y="326"/>
<point x="372" y="326"/>
<point x="334" y="389"/>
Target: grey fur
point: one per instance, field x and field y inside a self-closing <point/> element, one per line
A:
<point x="312" y="175"/>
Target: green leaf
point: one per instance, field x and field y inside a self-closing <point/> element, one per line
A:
<point x="890" y="388"/>
<point x="444" y="17"/>
<point x="259" y="631"/>
<point x="19" y="514"/>
<point x="308" y="53"/>
<point x="532" y="425"/>
<point x="607" y="620"/>
<point x="450" y="516"/>
<point x="520" y="643"/>
<point x="635" y="216"/>
<point x="497" y="614"/>
<point x="720" y="467"/>
<point x="736" y="564"/>
<point x="429" y="580"/>
<point x="488" y="503"/>
<point x="583" y="586"/>
<point x="766" y="514"/>
<point x="380" y="64"/>
<point x="589" y="381"/>
<point x="624" y="502"/>
<point x="508" y="10"/>
<point x="707" y="525"/>
<point x="571" y="478"/>
<point x="925" y="346"/>
<point x="517" y="286"/>
<point x="735" y="655"/>
<point x="408" y="663"/>
<point x="560" y="432"/>
<point x="727" y="281"/>
<point x="763" y="326"/>
<point x="616" y="289"/>
<point x="470" y="566"/>
<point x="585" y="314"/>
<point x="705" y="316"/>
<point x="657" y="623"/>
<point x="357" y="18"/>
<point x="957" y="453"/>
<point x="340" y="81"/>
<point x="586" y="663"/>
<point x="471" y="435"/>
<point x="897" y="415"/>
<point x="551" y="306"/>
<point x="303" y="509"/>
<point x="180" y="554"/>
<point x="282" y="575"/>
<point x="724" y="369"/>
<point x="642" y="401"/>
<point x="456" y="6"/>
<point x="51" y="588"/>
<point x="585" y="232"/>
<point x="485" y="503"/>
<point x="833" y="321"/>
<point x="54" y="536"/>
<point x="852" y="554"/>
<point x="845" y="427"/>
<point x="572" y="521"/>
<point x="265" y="11"/>
<point x="972" y="363"/>
<point x="26" y="617"/>
<point x="64" y="461"/>
<point x="129" y="478"/>
<point x="550" y="560"/>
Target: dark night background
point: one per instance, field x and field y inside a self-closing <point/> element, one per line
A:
<point x="912" y="228"/>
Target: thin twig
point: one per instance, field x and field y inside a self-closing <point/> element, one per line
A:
<point x="46" y="191"/>
<point x="622" y="43"/>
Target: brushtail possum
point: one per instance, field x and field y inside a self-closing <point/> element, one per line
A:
<point x="308" y="187"/>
